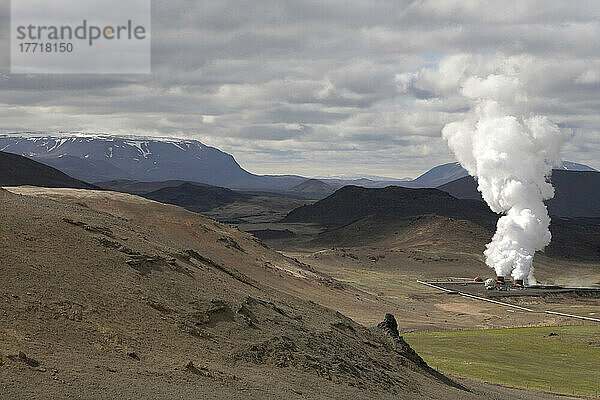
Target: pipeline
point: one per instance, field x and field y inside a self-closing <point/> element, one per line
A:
<point x="573" y="316"/>
<point x="505" y="304"/>
<point x="476" y="297"/>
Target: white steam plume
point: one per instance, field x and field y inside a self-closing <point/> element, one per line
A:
<point x="511" y="156"/>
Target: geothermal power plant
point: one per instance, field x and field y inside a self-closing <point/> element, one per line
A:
<point x="504" y="292"/>
<point x="511" y="155"/>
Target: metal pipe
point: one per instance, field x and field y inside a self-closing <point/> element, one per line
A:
<point x="436" y="287"/>
<point x="573" y="316"/>
<point x="474" y="297"/>
<point x="471" y="282"/>
<point x="506" y="304"/>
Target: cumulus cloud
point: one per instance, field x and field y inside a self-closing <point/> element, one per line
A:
<point x="318" y="88"/>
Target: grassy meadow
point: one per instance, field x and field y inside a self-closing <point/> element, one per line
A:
<point x="563" y="359"/>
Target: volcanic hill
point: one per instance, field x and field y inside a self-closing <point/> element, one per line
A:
<point x="352" y="203"/>
<point x="16" y="170"/>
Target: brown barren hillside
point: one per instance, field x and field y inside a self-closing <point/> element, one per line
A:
<point x="109" y="295"/>
<point x="104" y="304"/>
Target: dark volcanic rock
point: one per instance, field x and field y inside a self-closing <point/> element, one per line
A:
<point x="270" y="234"/>
<point x="390" y="328"/>
<point x="17" y="170"/>
<point x="22" y="357"/>
<point x="352" y="203"/>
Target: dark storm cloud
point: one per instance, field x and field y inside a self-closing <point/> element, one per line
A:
<point x="327" y="87"/>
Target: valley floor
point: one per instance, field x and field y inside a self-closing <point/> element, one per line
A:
<point x="460" y="336"/>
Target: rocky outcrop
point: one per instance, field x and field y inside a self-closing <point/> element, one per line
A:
<point x="389" y="326"/>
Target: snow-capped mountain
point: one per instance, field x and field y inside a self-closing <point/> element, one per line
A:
<point x="101" y="158"/>
<point x="573" y="166"/>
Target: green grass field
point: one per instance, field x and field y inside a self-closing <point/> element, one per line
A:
<point x="568" y="362"/>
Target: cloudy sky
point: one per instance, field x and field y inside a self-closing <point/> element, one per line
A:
<point x="328" y="87"/>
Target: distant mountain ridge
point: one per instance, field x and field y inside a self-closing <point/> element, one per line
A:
<point x="450" y="172"/>
<point x="101" y="158"/>
<point x="16" y="170"/>
<point x="138" y="187"/>
<point x="98" y="158"/>
<point x="438" y="175"/>
<point x="313" y="186"/>
<point x="576" y="192"/>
